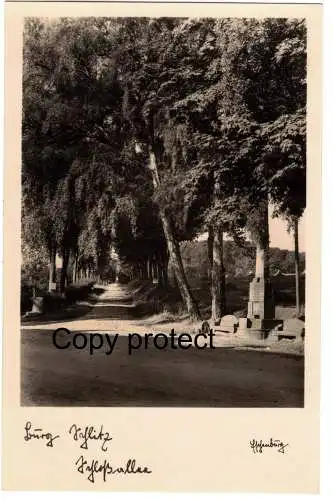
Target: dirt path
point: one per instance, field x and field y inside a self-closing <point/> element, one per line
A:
<point x="113" y="312"/>
<point x="224" y="376"/>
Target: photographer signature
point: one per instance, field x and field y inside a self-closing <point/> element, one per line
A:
<point x="259" y="446"/>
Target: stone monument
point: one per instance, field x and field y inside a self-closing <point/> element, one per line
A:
<point x="261" y="298"/>
<point x="261" y="305"/>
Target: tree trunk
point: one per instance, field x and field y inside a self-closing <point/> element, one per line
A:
<point x="75" y="269"/>
<point x="154" y="271"/>
<point x="261" y="239"/>
<point x="160" y="273"/>
<point x="215" y="256"/>
<point x="297" y="273"/>
<point x="52" y="269"/>
<point x="165" y="273"/>
<point x="210" y="242"/>
<point x="174" y="250"/>
<point x="63" y="274"/>
<point x="262" y="269"/>
<point x="144" y="269"/>
<point x="218" y="277"/>
<point x="148" y="268"/>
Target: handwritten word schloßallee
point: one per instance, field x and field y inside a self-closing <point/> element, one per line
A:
<point x="105" y="468"/>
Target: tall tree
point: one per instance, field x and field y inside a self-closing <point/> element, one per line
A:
<point x="285" y="137"/>
<point x="143" y="69"/>
<point x="287" y="155"/>
<point x="268" y="59"/>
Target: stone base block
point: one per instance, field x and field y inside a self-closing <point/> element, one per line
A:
<point x="265" y="324"/>
<point x="293" y="328"/>
<point x="257" y="334"/>
<point x="227" y="324"/>
<point x="260" y="328"/>
<point x="244" y="323"/>
<point x="257" y="329"/>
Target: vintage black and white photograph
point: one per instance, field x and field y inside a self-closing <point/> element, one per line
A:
<point x="163" y="205"/>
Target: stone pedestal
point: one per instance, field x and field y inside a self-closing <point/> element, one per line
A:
<point x="261" y="299"/>
<point x="260" y="328"/>
<point x="257" y="329"/>
<point x="261" y="308"/>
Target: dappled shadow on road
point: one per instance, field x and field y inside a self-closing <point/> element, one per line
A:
<point x="220" y="377"/>
<point x="98" y="290"/>
<point x="112" y="311"/>
<point x="113" y="301"/>
<point x="86" y="312"/>
<point x="96" y="307"/>
<point x="70" y="313"/>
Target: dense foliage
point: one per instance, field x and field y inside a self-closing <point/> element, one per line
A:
<point x="141" y="133"/>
